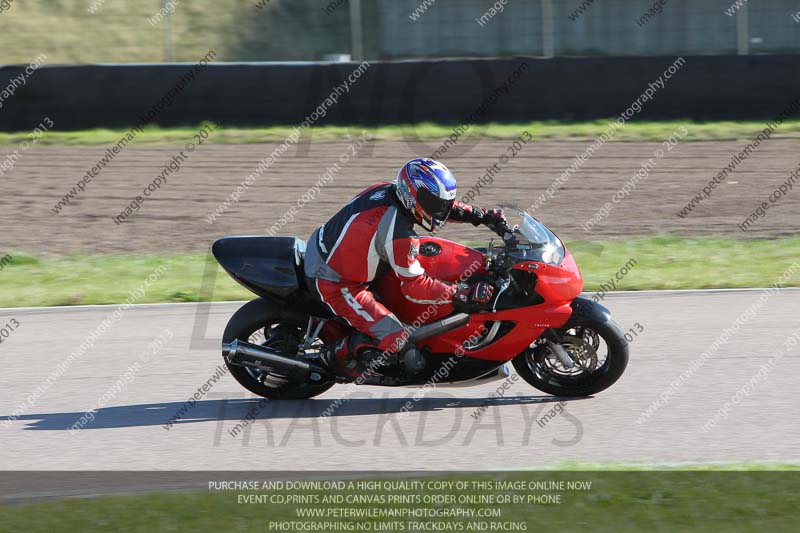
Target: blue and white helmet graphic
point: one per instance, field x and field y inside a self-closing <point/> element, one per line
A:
<point x="427" y="189"/>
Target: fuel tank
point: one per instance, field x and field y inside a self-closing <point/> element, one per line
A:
<point x="441" y="259"/>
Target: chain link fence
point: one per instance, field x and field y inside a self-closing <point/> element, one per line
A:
<point x="145" y="31"/>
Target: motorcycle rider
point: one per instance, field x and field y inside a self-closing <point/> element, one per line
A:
<point x="375" y="227"/>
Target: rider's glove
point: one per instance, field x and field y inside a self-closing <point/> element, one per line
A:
<point x="474" y="215"/>
<point x="475" y="297"/>
<point x="495" y="220"/>
<point x="492" y="217"/>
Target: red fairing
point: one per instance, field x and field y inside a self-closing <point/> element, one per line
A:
<point x="558" y="285"/>
<point x="415" y="283"/>
<point x="529" y="323"/>
<point x="453" y="261"/>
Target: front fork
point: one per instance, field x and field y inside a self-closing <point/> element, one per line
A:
<point x="553" y="343"/>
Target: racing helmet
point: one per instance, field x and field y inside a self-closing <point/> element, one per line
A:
<point x="426" y="189"/>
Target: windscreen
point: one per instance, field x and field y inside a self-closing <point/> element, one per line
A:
<point x="536" y="241"/>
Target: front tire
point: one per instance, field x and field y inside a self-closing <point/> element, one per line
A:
<point x="249" y="321"/>
<point x="541" y="369"/>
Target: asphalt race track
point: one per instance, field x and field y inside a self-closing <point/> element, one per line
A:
<point x="128" y="432"/>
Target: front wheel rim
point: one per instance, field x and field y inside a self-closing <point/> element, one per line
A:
<point x="583" y="344"/>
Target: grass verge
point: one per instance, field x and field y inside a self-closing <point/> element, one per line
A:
<point x="586" y="501"/>
<point x="540" y="130"/>
<point x="647" y="263"/>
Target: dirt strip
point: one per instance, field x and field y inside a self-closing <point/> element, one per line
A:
<point x="174" y="218"/>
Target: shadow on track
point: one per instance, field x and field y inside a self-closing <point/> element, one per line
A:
<point x="160" y="414"/>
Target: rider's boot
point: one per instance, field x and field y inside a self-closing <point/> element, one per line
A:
<point x="354" y="355"/>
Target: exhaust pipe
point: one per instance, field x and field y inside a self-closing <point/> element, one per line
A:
<point x="249" y="355"/>
<point x="241" y="353"/>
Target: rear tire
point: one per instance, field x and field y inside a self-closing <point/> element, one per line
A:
<point x="531" y="366"/>
<point x="249" y="319"/>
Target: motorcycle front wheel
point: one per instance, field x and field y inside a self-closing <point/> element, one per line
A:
<point x="597" y="349"/>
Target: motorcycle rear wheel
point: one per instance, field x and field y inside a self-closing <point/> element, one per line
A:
<point x="246" y="323"/>
<point x="541" y="369"/>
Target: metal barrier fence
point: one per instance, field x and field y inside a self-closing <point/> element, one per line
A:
<point x="470" y="91"/>
<point x="99" y="31"/>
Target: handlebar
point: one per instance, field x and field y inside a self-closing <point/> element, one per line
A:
<point x="504" y="232"/>
<point x="501" y="264"/>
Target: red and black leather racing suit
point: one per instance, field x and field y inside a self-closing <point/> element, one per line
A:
<point x="343" y="256"/>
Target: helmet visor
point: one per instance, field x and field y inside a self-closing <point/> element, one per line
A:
<point x="437" y="208"/>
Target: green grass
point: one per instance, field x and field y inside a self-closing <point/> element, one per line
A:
<point x="547" y="130"/>
<point x="682" y="263"/>
<point x="66" y="31"/>
<point x="106" y="279"/>
<point x="661" y="263"/>
<point x="115" y="32"/>
<point x="616" y="501"/>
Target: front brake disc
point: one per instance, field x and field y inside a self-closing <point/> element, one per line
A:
<point x="582" y="353"/>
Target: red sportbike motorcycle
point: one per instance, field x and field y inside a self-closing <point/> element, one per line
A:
<point x="556" y="341"/>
